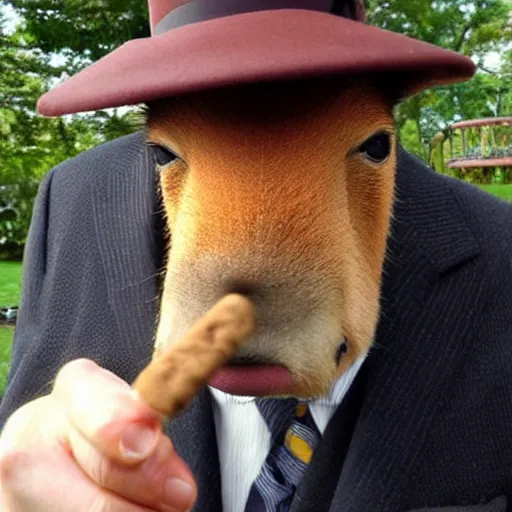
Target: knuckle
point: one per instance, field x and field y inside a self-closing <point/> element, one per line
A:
<point x="15" y="423"/>
<point x="76" y="367"/>
<point x="71" y="372"/>
<point x="13" y="463"/>
<point x="21" y="422"/>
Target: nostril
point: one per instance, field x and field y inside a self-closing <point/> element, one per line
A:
<point x="242" y="287"/>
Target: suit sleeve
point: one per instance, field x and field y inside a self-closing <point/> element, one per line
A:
<point x="64" y="311"/>
<point x="23" y="384"/>
<point x="91" y="237"/>
<point x="63" y="291"/>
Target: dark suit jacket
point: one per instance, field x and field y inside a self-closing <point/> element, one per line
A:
<point x="428" y="422"/>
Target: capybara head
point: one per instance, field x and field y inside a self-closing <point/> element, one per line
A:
<point x="282" y="192"/>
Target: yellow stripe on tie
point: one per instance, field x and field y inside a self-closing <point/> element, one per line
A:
<point x="301" y="410"/>
<point x="298" y="447"/>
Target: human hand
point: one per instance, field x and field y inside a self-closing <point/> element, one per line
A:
<point x="94" y="445"/>
<point x="91" y="445"/>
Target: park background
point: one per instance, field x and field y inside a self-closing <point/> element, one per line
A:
<point x="43" y="41"/>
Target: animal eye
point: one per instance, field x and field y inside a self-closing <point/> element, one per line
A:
<point x="377" y="148"/>
<point x="163" y="156"/>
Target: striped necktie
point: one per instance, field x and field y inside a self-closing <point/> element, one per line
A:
<point x="294" y="438"/>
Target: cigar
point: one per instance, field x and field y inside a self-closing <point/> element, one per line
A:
<point x="172" y="379"/>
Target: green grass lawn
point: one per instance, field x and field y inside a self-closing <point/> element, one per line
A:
<point x="502" y="191"/>
<point x="10" y="284"/>
<point x="5" y="355"/>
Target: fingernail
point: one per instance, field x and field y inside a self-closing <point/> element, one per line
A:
<point x="138" y="441"/>
<point x="178" y="495"/>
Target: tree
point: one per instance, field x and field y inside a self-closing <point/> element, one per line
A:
<point x="472" y="28"/>
<point x="504" y="89"/>
<point x="29" y="144"/>
<point x="77" y="32"/>
<point x="87" y="29"/>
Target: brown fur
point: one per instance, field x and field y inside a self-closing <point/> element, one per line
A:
<point x="272" y="198"/>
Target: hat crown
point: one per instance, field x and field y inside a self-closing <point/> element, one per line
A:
<point x="160" y="9"/>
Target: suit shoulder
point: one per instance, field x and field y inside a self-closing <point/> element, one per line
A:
<point x="490" y="220"/>
<point x="94" y="163"/>
<point x="489" y="217"/>
<point x="65" y="194"/>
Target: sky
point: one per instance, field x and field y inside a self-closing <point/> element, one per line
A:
<point x="10" y="16"/>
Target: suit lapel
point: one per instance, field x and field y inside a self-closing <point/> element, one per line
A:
<point x="193" y="435"/>
<point x="426" y="312"/>
<point x="126" y="209"/>
<point x="431" y="299"/>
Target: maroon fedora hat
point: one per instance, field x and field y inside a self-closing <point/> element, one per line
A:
<point x="203" y="44"/>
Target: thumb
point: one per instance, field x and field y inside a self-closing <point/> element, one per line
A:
<point x="163" y="481"/>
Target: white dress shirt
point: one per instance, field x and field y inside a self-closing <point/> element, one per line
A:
<point x="243" y="439"/>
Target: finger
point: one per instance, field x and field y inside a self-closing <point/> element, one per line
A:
<point x="49" y="480"/>
<point x="107" y="412"/>
<point x="161" y="482"/>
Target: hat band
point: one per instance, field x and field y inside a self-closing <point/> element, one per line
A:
<point x="203" y="10"/>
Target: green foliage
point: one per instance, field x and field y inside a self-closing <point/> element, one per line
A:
<point x="30" y="145"/>
<point x="479" y="152"/>
<point x="410" y="136"/>
<point x="84" y="28"/>
<point x="472" y="28"/>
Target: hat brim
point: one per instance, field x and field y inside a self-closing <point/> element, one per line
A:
<point x="252" y="47"/>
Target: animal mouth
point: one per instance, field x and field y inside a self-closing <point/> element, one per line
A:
<point x="255" y="376"/>
<point x="254" y="379"/>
